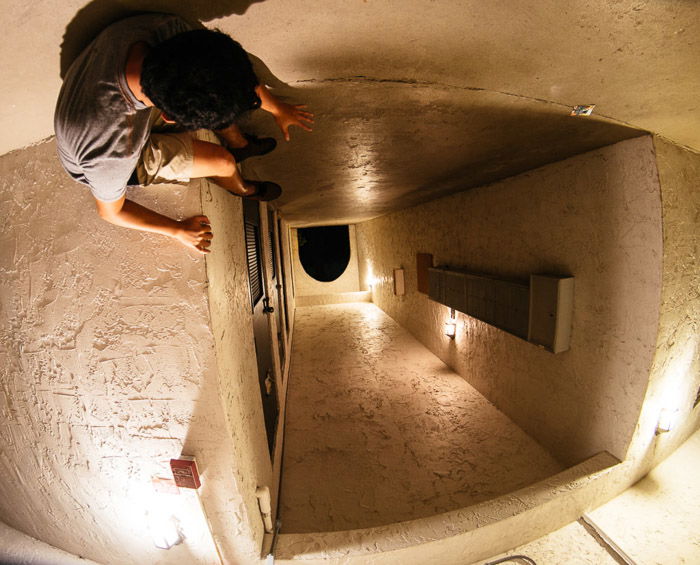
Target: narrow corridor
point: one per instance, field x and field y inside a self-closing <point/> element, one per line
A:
<point x="379" y="430"/>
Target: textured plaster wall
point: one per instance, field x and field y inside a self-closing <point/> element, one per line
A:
<point x="19" y="548"/>
<point x="306" y="285"/>
<point x="674" y="379"/>
<point x="379" y="430"/>
<point x="231" y="316"/>
<point x="107" y="370"/>
<point x="465" y="535"/>
<point x="596" y="216"/>
<point x="290" y="289"/>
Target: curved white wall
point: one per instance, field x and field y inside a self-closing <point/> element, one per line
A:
<point x="108" y="370"/>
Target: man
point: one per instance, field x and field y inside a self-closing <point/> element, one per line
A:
<point x="135" y="78"/>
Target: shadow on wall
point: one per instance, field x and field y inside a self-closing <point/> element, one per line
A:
<point x="98" y="14"/>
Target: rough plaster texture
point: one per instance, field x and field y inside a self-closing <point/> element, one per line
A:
<point x="675" y="373"/>
<point x="17" y="548"/>
<point x="570" y="545"/>
<point x="230" y="308"/>
<point x="464" y="535"/>
<point x="597" y="217"/>
<point x="379" y="430"/>
<point x="657" y="521"/>
<point x="482" y="531"/>
<point x="290" y="291"/>
<point x="369" y="155"/>
<point x="306" y="285"/>
<point x="107" y="371"/>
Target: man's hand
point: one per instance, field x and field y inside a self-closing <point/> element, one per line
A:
<point x="287" y="115"/>
<point x="195" y="233"/>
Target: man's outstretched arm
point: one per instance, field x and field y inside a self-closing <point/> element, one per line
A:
<point x="285" y="115"/>
<point x="194" y="232"/>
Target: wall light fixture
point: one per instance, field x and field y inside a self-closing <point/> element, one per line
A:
<point x="451" y="325"/>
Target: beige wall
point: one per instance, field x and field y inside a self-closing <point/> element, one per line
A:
<point x="290" y="287"/>
<point x="231" y="322"/>
<point x="305" y="285"/>
<point x="675" y="373"/>
<point x="108" y="370"/>
<point x="596" y="216"/>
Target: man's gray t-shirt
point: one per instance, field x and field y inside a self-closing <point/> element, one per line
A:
<point x="100" y="126"/>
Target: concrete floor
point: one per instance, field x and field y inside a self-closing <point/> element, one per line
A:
<point x="379" y="430"/>
<point x="657" y="521"/>
<point x="570" y="545"/>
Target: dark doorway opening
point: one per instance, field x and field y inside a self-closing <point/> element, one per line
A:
<point x="324" y="252"/>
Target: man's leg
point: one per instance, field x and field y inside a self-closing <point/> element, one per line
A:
<point x="178" y="157"/>
<point x="244" y="145"/>
<point x="233" y="136"/>
<point x="215" y="162"/>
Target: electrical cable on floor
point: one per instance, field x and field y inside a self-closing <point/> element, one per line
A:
<point x="605" y="541"/>
<point x="524" y="558"/>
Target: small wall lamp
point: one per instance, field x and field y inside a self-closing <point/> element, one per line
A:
<point x="451" y="325"/>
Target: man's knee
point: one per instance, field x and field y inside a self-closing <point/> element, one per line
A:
<point x="212" y="160"/>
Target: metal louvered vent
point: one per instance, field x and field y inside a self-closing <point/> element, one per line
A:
<point x="252" y="248"/>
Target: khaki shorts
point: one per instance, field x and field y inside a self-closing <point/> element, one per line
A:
<point x="167" y="156"/>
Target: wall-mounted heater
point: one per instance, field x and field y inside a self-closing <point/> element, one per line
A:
<point x="539" y="312"/>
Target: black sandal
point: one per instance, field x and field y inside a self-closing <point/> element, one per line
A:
<point x="265" y="190"/>
<point x="256" y="146"/>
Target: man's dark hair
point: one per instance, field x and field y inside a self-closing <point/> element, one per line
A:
<point x="200" y="79"/>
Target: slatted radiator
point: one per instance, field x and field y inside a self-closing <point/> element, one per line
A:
<point x="539" y="312"/>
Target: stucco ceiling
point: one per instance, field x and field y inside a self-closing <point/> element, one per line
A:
<point x="413" y="99"/>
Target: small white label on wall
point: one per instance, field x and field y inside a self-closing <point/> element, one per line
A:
<point x="399" y="284"/>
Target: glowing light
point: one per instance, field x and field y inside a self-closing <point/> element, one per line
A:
<point x="371" y="279"/>
<point x="677" y="396"/>
<point x="165" y="532"/>
<point x="668" y="419"/>
<point x="163" y="524"/>
<point x="450" y="328"/>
